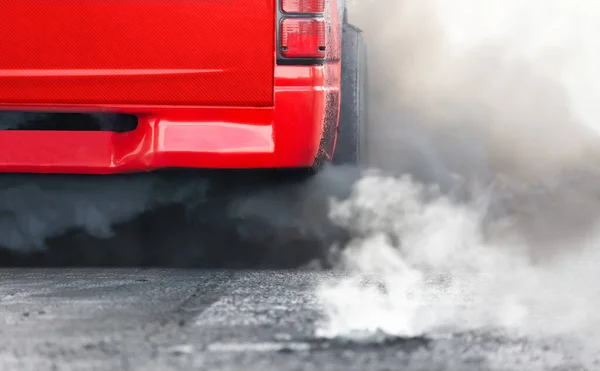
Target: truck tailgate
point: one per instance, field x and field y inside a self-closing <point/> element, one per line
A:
<point x="147" y="52"/>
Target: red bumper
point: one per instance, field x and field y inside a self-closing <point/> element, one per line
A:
<point x="291" y="134"/>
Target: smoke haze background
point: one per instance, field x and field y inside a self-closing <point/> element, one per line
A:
<point x="484" y="120"/>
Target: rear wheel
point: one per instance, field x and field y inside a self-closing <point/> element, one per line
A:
<point x="352" y="134"/>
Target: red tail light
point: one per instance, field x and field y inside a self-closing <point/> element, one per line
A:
<point x="303" y="38"/>
<point x="303" y="6"/>
<point x="301" y="32"/>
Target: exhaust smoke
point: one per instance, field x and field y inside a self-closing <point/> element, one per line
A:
<point x="35" y="208"/>
<point x="484" y="210"/>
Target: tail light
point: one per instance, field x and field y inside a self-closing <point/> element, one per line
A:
<point x="303" y="6"/>
<point x="303" y="38"/>
<point x="301" y="32"/>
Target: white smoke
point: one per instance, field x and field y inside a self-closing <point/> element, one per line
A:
<point x="437" y="268"/>
<point x="499" y="94"/>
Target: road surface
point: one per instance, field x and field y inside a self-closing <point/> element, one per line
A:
<point x="157" y="319"/>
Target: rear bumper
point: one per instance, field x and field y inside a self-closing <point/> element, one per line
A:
<point x="298" y="129"/>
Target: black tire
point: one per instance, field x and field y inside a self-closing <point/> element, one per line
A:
<point x="352" y="134"/>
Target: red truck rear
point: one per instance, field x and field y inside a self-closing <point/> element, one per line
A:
<point x="211" y="83"/>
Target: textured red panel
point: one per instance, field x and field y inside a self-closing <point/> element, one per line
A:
<point x="192" y="52"/>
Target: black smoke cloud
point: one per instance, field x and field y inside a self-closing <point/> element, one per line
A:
<point x="175" y="218"/>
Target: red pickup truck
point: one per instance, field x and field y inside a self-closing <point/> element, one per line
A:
<point x="228" y="84"/>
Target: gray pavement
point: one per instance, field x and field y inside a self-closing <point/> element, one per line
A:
<point x="156" y="319"/>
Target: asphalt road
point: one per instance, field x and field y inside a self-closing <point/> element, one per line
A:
<point x="151" y="319"/>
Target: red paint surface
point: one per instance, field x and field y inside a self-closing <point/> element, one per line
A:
<point x="208" y="52"/>
<point x="286" y="135"/>
<point x="202" y="102"/>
